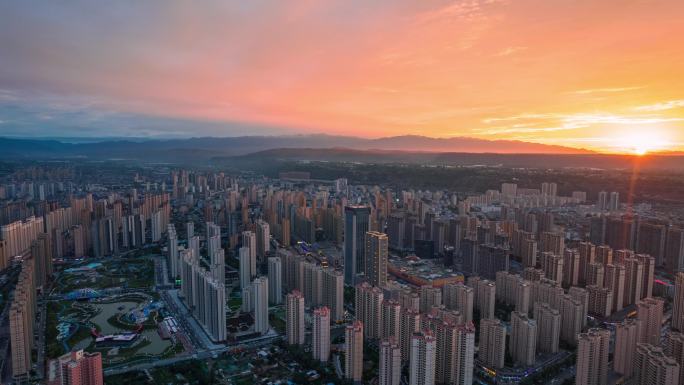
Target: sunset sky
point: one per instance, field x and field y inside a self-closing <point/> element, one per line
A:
<point x="606" y="75"/>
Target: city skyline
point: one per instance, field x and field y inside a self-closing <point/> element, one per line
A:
<point x="599" y="76"/>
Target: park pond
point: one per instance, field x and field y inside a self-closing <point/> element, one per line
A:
<point x="156" y="346"/>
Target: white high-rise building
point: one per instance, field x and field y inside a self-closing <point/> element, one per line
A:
<point x="174" y="261"/>
<point x="423" y="358"/>
<point x="294" y="315"/>
<point x="275" y="287"/>
<point x="260" y="299"/>
<point x="455" y="353"/>
<point x="409" y="324"/>
<point x="368" y="308"/>
<point x="245" y="267"/>
<point x="353" y="347"/>
<point x="249" y="241"/>
<point x="391" y="318"/>
<point x="390" y="362"/>
<point x="204" y="295"/>
<point x="321" y="334"/>
<point x="263" y="239"/>
<point x="333" y="292"/>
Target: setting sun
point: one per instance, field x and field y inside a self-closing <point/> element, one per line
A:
<point x="643" y="141"/>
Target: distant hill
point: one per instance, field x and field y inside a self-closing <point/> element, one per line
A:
<point x="207" y="147"/>
<point x="588" y="161"/>
<point x="403" y="149"/>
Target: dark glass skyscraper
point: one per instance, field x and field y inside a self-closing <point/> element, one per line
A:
<point x="356" y="223"/>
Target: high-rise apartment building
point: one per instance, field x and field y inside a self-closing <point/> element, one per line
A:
<point x="587" y="254"/>
<point x="275" y="286"/>
<point x="595" y="274"/>
<point x="571" y="313"/>
<point x="455" y="352"/>
<point x="204" y="295"/>
<point x="674" y="250"/>
<point x="678" y="303"/>
<point x="600" y="301"/>
<point x="391" y="318"/>
<point x="674" y="347"/>
<point x="615" y="282"/>
<point x="547" y="291"/>
<point x="21" y="321"/>
<point x="652" y="366"/>
<point x="523" y="340"/>
<point x="245" y="267"/>
<point x="294" y="315"/>
<point x="553" y="243"/>
<point x="173" y="256"/>
<point x="634" y="277"/>
<point x="571" y="261"/>
<point x="76" y="368"/>
<point x="333" y="292"/>
<point x="376" y="258"/>
<point x="423" y="358"/>
<point x="626" y="339"/>
<point x="249" y="240"/>
<point x="647" y="277"/>
<point x="263" y="240"/>
<point x="548" y="327"/>
<point x="492" y="348"/>
<point x="409" y="324"/>
<point x="353" y="347"/>
<point x="321" y="334"/>
<point x="592" y="357"/>
<point x="604" y="254"/>
<point x="368" y="309"/>
<point x="260" y="298"/>
<point x="650" y="316"/>
<point x="429" y="297"/>
<point x="581" y="295"/>
<point x="486" y="298"/>
<point x="459" y="297"/>
<point x="552" y="265"/>
<point x="390" y="362"/>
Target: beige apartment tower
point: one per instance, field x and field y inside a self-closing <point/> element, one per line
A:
<point x="390" y="362"/>
<point x="321" y="334"/>
<point x="592" y="357"/>
<point x="492" y="349"/>
<point x="353" y="347"/>
<point x="295" y="318"/>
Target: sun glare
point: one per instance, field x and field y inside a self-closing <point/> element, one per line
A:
<point x="643" y="142"/>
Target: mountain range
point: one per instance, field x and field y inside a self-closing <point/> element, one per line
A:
<point x="207" y="147"/>
<point x="246" y="151"/>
